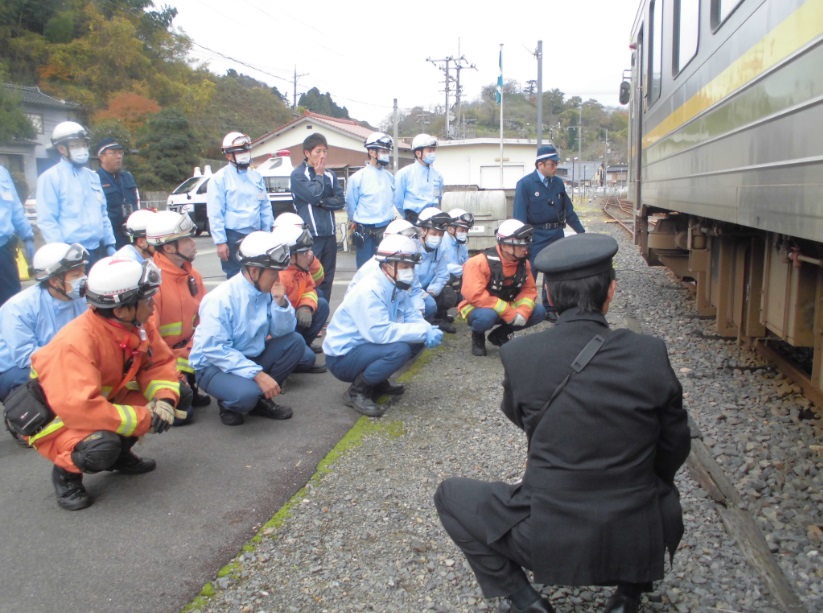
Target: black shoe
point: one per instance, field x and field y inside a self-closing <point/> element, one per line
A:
<point x="478" y="343"/>
<point x="71" y="495"/>
<point x="541" y="605"/>
<point x="230" y="418"/>
<point x="501" y="335"/>
<point x="388" y="388"/>
<point x="317" y="347"/>
<point x="200" y="400"/>
<point x="314" y="369"/>
<point x="266" y="407"/>
<point x="130" y="464"/>
<point x="362" y="403"/>
<point x="551" y="315"/>
<point x="445" y="326"/>
<point x="622" y="603"/>
<point x="449" y="318"/>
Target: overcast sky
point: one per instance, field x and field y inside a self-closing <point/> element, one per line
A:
<point x="365" y="56"/>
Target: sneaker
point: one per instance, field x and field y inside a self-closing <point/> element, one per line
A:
<point x="266" y="407"/>
<point x="230" y="418"/>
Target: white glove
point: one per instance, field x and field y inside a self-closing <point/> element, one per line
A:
<point x="162" y="415"/>
<point x="519" y="321"/>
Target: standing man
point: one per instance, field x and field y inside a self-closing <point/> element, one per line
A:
<point x="121" y="382"/>
<point x="71" y="205"/>
<point x="418" y="185"/>
<point x="122" y="197"/>
<point x="317" y="195"/>
<point x="12" y="221"/>
<point x="181" y="292"/>
<point x="245" y="345"/>
<point x="370" y="197"/>
<point x="236" y="202"/>
<point x="540" y="200"/>
<point x="597" y="504"/>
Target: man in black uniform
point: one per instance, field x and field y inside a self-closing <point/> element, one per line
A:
<point x="122" y="197"/>
<point x="597" y="504"/>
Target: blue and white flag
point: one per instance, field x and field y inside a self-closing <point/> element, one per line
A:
<point x="498" y="97"/>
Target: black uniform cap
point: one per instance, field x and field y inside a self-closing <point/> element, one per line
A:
<point x="576" y="257"/>
<point x="108" y="143"/>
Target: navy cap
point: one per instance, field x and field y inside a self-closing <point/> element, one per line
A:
<point x="576" y="257"/>
<point x="108" y="143"/>
<point x="547" y="152"/>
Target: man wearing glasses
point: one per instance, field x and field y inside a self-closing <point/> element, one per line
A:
<point x="122" y="197"/>
<point x="540" y="200"/>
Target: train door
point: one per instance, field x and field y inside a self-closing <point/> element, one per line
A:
<point x="636" y="143"/>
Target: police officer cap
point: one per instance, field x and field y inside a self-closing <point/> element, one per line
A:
<point x="576" y="257"/>
<point x="108" y="143"/>
<point x="547" y="152"/>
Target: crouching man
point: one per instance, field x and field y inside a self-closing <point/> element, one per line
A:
<point x="603" y="415"/>
<point x="245" y="345"/>
<point x="108" y="377"/>
<point x="377" y="329"/>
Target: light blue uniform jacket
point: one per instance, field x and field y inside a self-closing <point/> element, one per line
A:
<point x="370" y="196"/>
<point x="12" y="216"/>
<point x="372" y="265"/>
<point x="417" y="186"/>
<point x="237" y="200"/>
<point x="433" y="270"/>
<point x="456" y="254"/>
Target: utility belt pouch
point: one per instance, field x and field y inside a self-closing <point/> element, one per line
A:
<point x="26" y="409"/>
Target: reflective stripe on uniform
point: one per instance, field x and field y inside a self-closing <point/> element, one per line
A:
<point x="464" y="312"/>
<point x="128" y="419"/>
<point x="183" y="365"/>
<point x="525" y="302"/>
<point x="318" y="274"/>
<point x="155" y="386"/>
<point x="54" y="425"/>
<point x="172" y="329"/>
<point x="133" y="386"/>
<point x="500" y="306"/>
<point x="311" y="296"/>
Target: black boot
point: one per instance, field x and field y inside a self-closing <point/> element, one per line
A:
<point x="200" y="400"/>
<point x="71" y="495"/>
<point x="267" y="407"/>
<point x="388" y="388"/>
<point x="501" y="335"/>
<point x="229" y="418"/>
<point x="478" y="343"/>
<point x="128" y="463"/>
<point x="358" y="397"/>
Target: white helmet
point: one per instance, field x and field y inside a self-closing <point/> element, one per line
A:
<point x="379" y="140"/>
<point x="135" y="225"/>
<point x="514" y="232"/>
<point x="264" y="250"/>
<point x="421" y="141"/>
<point x="53" y="259"/>
<point x="461" y="218"/>
<point x="68" y="130"/>
<point x="397" y="248"/>
<point x="432" y="217"/>
<point x="298" y="239"/>
<point x="115" y="282"/>
<point x="401" y="226"/>
<point x="235" y="142"/>
<point x="167" y="226"/>
<point x="289" y="219"/>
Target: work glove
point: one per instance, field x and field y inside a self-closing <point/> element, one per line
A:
<point x="303" y="314"/>
<point x="30" y="252"/>
<point x="519" y="321"/>
<point x="110" y="250"/>
<point x="162" y="415"/>
<point x="433" y="337"/>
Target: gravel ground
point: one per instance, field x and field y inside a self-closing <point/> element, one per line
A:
<point x="364" y="534"/>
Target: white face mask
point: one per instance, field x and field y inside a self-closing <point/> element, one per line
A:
<point x="461" y="237"/>
<point x="383" y="159"/>
<point x="433" y="242"/>
<point x="429" y="159"/>
<point x="77" y="286"/>
<point x="243" y="158"/>
<point x="405" y="276"/>
<point x="79" y="155"/>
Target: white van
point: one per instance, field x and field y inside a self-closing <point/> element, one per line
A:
<point x="276" y="171"/>
<point x="190" y="197"/>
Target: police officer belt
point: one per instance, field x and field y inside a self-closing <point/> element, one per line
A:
<point x="549" y="226"/>
<point x="370" y="230"/>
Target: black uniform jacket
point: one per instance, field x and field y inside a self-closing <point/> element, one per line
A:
<point x="598" y="489"/>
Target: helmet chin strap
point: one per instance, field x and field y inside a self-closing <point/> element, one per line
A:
<point x="238" y="164"/>
<point x="180" y="255"/>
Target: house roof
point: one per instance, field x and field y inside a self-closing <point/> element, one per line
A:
<point x="32" y="96"/>
<point x="348" y="127"/>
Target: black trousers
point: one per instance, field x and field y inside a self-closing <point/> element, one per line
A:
<point x="498" y="566"/>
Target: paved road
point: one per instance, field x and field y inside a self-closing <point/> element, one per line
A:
<point x="150" y="542"/>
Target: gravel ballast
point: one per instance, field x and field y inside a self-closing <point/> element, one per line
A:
<point x="364" y="534"/>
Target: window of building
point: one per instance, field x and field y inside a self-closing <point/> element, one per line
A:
<point x="686" y="29"/>
<point x="655" y="51"/>
<point x="36" y="120"/>
<point x="721" y="9"/>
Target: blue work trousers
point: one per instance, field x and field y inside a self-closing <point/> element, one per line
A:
<point x="279" y="359"/>
<point x="542" y="239"/>
<point x="11" y="379"/>
<point x="375" y="362"/>
<point x="231" y="266"/>
<point x="367" y="237"/>
<point x="9" y="275"/>
<point x="482" y="320"/>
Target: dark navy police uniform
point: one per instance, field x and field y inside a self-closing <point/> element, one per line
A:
<point x="121" y="201"/>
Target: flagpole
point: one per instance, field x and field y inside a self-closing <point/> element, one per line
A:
<point x="500" y="88"/>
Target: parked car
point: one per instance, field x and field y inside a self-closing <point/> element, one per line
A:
<point x="276" y="172"/>
<point x="190" y="197"/>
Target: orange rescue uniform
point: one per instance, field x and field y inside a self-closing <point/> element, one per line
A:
<point x="300" y="287"/>
<point x="476" y="295"/>
<point x="88" y="386"/>
<point x="317" y="272"/>
<point x="175" y="314"/>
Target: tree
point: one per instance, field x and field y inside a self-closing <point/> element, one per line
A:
<point x="167" y="151"/>
<point x="316" y="102"/>
<point x="13" y="123"/>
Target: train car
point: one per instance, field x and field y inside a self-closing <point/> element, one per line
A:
<point x="726" y="155"/>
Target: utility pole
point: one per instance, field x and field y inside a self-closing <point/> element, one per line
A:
<point x="459" y="65"/>
<point x="294" y="99"/>
<point x="539" y="55"/>
<point x="396" y="151"/>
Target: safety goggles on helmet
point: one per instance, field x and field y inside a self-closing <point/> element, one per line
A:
<point x="276" y="258"/>
<point x="183" y="228"/>
<point x="520" y="237"/>
<point x="241" y="143"/>
<point x="438" y="221"/>
<point x="465" y="220"/>
<point x="398" y="256"/>
<point x="303" y="243"/>
<point x="75" y="257"/>
<point x="147" y="286"/>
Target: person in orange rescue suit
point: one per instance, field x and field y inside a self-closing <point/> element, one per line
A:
<point x="316" y="267"/>
<point x="120" y="382"/>
<point x="176" y="304"/>
<point x="499" y="290"/>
